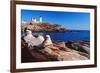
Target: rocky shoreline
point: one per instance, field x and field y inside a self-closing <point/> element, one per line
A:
<point x="59" y="51"/>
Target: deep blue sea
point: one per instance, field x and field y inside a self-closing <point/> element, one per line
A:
<point x="82" y="35"/>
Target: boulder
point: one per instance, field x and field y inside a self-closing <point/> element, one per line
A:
<point x="81" y="48"/>
<point x="32" y="40"/>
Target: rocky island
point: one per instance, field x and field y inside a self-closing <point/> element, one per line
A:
<point x="35" y="25"/>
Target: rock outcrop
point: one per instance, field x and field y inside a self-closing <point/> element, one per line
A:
<point x="38" y="49"/>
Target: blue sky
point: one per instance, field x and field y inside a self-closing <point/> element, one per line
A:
<point x="70" y="20"/>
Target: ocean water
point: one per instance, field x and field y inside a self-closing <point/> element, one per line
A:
<point x="82" y="35"/>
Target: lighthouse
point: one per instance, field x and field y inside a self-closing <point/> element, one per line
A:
<point x="40" y="19"/>
<point x="34" y="20"/>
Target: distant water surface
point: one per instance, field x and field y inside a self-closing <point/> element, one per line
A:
<point x="70" y="36"/>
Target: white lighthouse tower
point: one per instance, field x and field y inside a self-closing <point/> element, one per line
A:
<point x="40" y="19"/>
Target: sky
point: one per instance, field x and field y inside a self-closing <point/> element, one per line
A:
<point x="69" y="20"/>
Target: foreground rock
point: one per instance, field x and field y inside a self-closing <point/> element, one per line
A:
<point x="57" y="53"/>
<point x="38" y="49"/>
<point x="81" y="46"/>
<point x="64" y="55"/>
